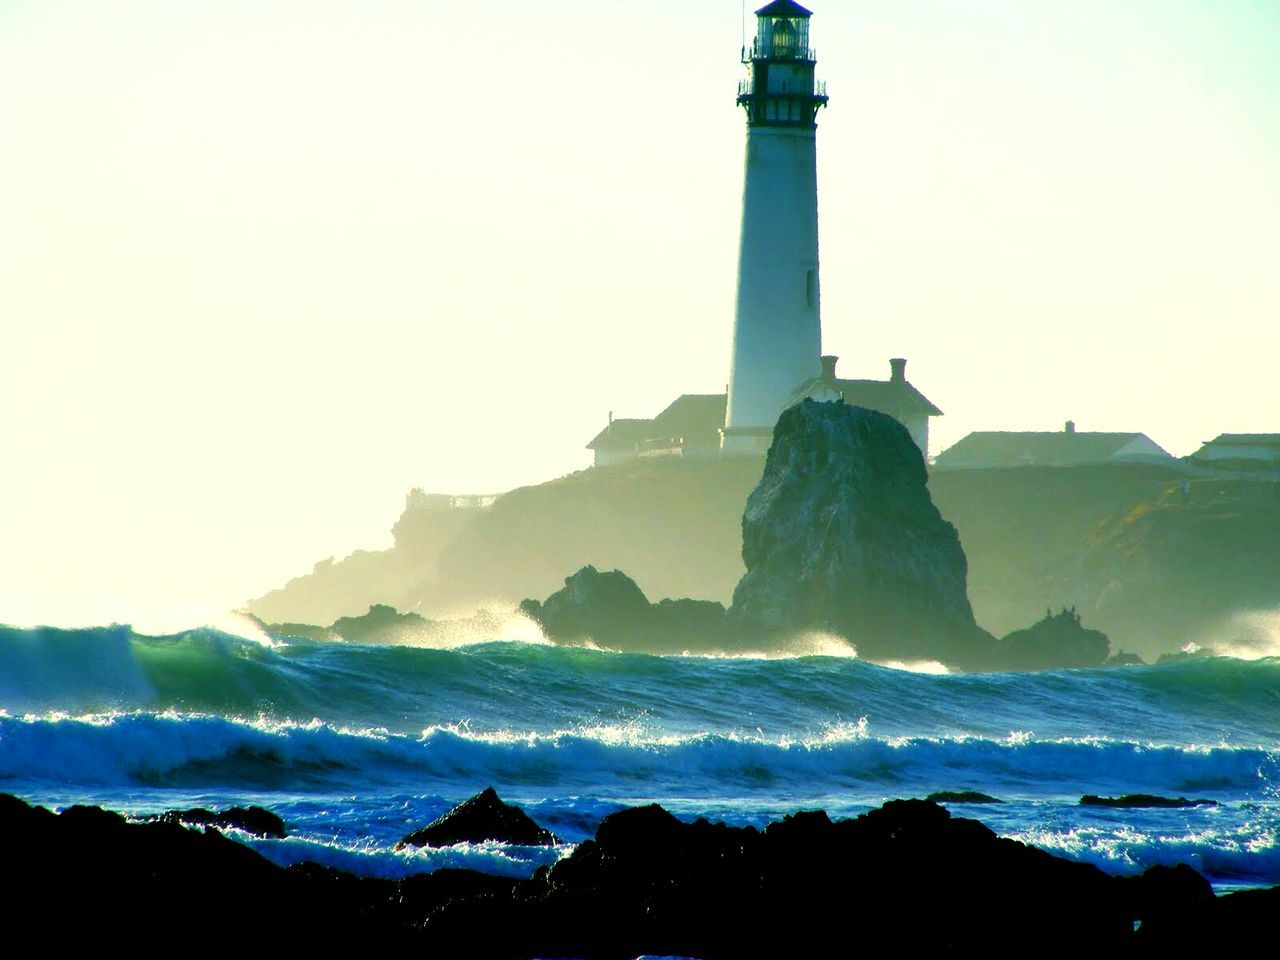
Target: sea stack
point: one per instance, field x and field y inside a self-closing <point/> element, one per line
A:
<point x="841" y="535"/>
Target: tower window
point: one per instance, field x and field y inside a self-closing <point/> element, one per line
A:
<point x="810" y="289"/>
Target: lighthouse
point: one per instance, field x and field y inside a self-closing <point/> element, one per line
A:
<point x="777" y="333"/>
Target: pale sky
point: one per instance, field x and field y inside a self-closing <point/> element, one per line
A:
<point x="266" y="265"/>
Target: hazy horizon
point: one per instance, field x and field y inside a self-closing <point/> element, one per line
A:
<point x="268" y="265"/>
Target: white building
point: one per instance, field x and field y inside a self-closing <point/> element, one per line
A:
<point x="1255" y="449"/>
<point x="777" y="333"/>
<point x="777" y="336"/>
<point x="690" y="425"/>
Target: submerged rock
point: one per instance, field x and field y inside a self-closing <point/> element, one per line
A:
<point x="962" y="796"/>
<point x="842" y="536"/>
<point x="1059" y="641"/>
<point x="253" y="820"/>
<point x="482" y="817"/>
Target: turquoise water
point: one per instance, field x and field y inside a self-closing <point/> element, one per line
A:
<point x="357" y="745"/>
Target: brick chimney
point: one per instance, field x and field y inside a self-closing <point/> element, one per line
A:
<point x="898" y="370"/>
<point x="829" y="367"/>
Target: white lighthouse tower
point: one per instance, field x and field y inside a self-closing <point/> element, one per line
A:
<point x="777" y="330"/>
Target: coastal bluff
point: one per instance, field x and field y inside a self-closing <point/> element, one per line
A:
<point x="1151" y="558"/>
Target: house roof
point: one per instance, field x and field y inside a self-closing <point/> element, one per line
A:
<point x="698" y="417"/>
<point x="887" y="396"/>
<point x="622" y="434"/>
<point x="692" y="414"/>
<point x="783" y="8"/>
<point x="1247" y="439"/>
<point x="897" y="398"/>
<point x="1059" y="448"/>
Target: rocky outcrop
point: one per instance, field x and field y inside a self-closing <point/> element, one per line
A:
<point x="841" y="536"/>
<point x="1059" y="641"/>
<point x="382" y="624"/>
<point x="647" y="883"/>
<point x="650" y="883"/>
<point x="610" y="610"/>
<point x="481" y="818"/>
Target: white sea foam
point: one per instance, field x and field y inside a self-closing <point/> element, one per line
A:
<point x="1232" y="850"/>
<point x="179" y="749"/>
<point x="931" y="667"/>
<point x="374" y="860"/>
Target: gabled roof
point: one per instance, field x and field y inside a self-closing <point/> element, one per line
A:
<point x="783" y="8"/>
<point x="894" y="397"/>
<point x="692" y="414"/>
<point x="886" y="396"/>
<point x="1059" y="448"/>
<point x="623" y="434"/>
<point x="1248" y="439"/>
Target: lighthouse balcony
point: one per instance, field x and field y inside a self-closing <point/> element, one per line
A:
<point x="759" y="51"/>
<point x="786" y="88"/>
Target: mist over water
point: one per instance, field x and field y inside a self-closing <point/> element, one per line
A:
<point x="356" y="745"/>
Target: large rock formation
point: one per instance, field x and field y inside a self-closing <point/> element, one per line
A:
<point x="1059" y="641"/>
<point x="841" y="535"/>
<point x="610" y="610"/>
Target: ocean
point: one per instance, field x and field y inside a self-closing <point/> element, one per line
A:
<point x="355" y="746"/>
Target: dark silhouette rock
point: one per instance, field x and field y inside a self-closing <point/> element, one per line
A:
<point x="482" y="817"/>
<point x="1059" y="641"/>
<point x="1143" y="800"/>
<point x="1123" y="658"/>
<point x="610" y="610"/>
<point x="907" y="873"/>
<point x="254" y="820"/>
<point x="650" y="883"/>
<point x="841" y="536"/>
<point x="607" y="608"/>
<point x="962" y="796"/>
<point x="382" y="624"/>
<point x="1231" y="925"/>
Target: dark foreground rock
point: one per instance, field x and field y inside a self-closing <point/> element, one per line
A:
<point x="842" y="536"/>
<point x="253" y="820"/>
<point x="1059" y="641"/>
<point x="1140" y="800"/>
<point x="483" y="817"/>
<point x="907" y="875"/>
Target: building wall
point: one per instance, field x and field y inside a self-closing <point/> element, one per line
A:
<point x="918" y="427"/>
<point x="1142" y="448"/>
<point x="606" y="456"/>
<point x="1223" y="451"/>
<point x="777" y="329"/>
